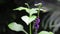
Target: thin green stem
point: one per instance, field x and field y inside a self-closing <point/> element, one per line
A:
<point x="25" y="31"/>
<point x="30" y="27"/>
<point x="29" y="16"/>
<point x="27" y="5"/>
<point x="39" y="9"/>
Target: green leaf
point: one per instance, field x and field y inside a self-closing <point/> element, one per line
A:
<point x="51" y="32"/>
<point x="39" y="4"/>
<point x="30" y="11"/>
<point x="15" y="27"/>
<point x="45" y="32"/>
<point x="21" y="8"/>
<point x="42" y="9"/>
<point x="27" y="19"/>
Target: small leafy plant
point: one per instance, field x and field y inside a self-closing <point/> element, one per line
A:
<point x="28" y="19"/>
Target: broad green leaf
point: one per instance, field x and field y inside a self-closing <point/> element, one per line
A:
<point x="30" y="11"/>
<point x="20" y="8"/>
<point x="45" y="32"/>
<point x="15" y="27"/>
<point x="27" y="19"/>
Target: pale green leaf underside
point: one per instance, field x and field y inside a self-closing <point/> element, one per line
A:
<point x="15" y="27"/>
<point x="30" y="11"/>
<point x="45" y="32"/>
<point x="27" y="19"/>
<point x="21" y="8"/>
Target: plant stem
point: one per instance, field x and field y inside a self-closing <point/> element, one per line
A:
<point x="29" y="16"/>
<point x="39" y="9"/>
<point x="25" y="31"/>
<point x="27" y="5"/>
<point x="30" y="28"/>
